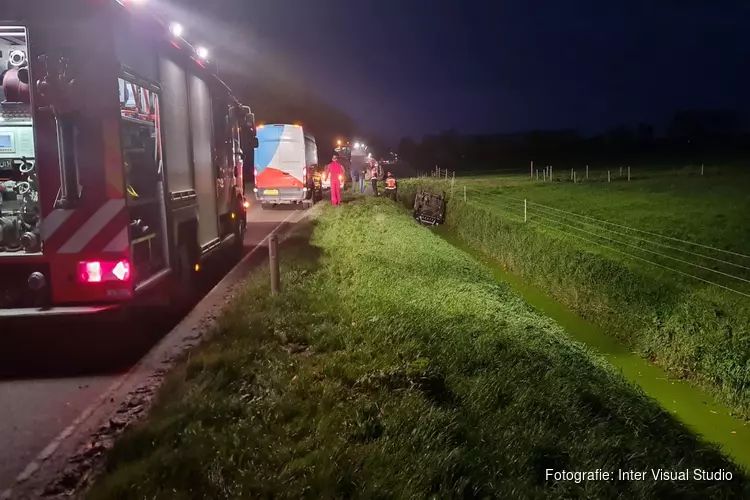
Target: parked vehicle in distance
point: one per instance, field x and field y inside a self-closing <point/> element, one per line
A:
<point x="286" y="159"/>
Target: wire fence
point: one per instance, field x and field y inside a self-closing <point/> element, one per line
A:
<point x="725" y="269"/>
<point x="580" y="173"/>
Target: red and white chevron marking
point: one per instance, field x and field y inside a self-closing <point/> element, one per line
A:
<point x="78" y="230"/>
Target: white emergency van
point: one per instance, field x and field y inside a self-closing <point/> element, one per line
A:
<point x="285" y="162"/>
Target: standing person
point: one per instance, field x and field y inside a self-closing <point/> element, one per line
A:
<point x="335" y="172"/>
<point x="374" y="178"/>
<point x="391" y="186"/>
<point x="362" y="180"/>
<point x="354" y="172"/>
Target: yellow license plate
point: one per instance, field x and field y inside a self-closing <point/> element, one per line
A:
<point x="271" y="192"/>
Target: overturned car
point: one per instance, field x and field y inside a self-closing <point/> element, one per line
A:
<point x="429" y="208"/>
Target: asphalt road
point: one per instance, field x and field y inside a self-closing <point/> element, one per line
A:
<point x="51" y="381"/>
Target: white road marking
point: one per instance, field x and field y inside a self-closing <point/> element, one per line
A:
<point x="53" y="445"/>
<point x="91" y="227"/>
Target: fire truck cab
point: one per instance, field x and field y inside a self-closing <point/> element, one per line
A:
<point x="121" y="159"/>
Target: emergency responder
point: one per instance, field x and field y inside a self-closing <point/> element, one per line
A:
<point x="391" y="186"/>
<point x="374" y="178"/>
<point x="335" y="172"/>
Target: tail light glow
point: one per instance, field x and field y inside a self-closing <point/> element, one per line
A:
<point x="246" y="204"/>
<point x="95" y="271"/>
<point x="304" y="172"/>
<point x="255" y="172"/>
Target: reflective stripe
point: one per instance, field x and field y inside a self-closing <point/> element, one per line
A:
<point x="390" y="183"/>
<point x="53" y="221"/>
<point x="119" y="243"/>
<point x="93" y="226"/>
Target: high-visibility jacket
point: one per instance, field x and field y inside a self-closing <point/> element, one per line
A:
<point x="390" y="183"/>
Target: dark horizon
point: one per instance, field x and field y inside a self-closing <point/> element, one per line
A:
<point x="407" y="69"/>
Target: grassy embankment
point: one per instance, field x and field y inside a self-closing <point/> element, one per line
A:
<point x="691" y="328"/>
<point x="392" y="365"/>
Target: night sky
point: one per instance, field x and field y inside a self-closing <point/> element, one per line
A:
<point x="405" y="67"/>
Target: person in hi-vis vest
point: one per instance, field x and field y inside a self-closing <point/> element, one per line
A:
<point x="391" y="186"/>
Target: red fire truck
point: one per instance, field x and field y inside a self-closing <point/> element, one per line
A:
<point x="120" y="159"/>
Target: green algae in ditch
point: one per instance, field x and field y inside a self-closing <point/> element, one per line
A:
<point x="704" y="415"/>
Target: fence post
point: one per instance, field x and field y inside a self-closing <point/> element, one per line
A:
<point x="620" y="171"/>
<point x="571" y="174"/>
<point x="273" y="261"/>
<point x="544" y="175"/>
<point x="550" y="173"/>
<point x="609" y="176"/>
<point x="587" y="171"/>
<point x="525" y="218"/>
<point x="464" y="193"/>
<point x="446" y="174"/>
<point x="628" y="174"/>
<point x="537" y="174"/>
<point x="701" y="169"/>
<point x="532" y="169"/>
<point x="575" y="175"/>
<point x="453" y="183"/>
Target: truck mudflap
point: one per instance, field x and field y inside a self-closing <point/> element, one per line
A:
<point x="429" y="209"/>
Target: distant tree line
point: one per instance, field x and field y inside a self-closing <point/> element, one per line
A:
<point x="691" y="137"/>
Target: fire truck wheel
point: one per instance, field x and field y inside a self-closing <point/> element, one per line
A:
<point x="238" y="246"/>
<point x="185" y="282"/>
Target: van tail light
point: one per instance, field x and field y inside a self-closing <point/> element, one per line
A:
<point x="246" y="204"/>
<point x="98" y="271"/>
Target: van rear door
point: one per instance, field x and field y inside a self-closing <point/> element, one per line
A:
<point x="280" y="164"/>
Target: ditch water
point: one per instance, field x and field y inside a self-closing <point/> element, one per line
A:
<point x="699" y="411"/>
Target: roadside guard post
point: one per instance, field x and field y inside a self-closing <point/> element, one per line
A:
<point x="273" y="261"/>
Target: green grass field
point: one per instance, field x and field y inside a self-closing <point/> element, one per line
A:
<point x="392" y="365"/>
<point x="659" y="261"/>
<point x="713" y="210"/>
